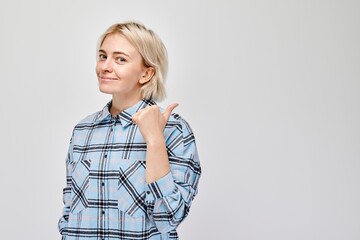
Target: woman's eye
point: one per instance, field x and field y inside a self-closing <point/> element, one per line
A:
<point x="102" y="57"/>
<point x="120" y="59"/>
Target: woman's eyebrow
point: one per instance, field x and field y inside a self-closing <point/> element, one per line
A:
<point x="119" y="52"/>
<point x="116" y="52"/>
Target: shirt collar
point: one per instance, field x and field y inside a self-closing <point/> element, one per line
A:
<point x="125" y="116"/>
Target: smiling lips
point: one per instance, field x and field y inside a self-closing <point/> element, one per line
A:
<point x="107" y="78"/>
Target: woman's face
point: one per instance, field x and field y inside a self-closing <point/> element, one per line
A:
<point x="120" y="68"/>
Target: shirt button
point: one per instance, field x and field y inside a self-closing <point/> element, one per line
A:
<point x="103" y="212"/>
<point x="102" y="184"/>
<point x="148" y="192"/>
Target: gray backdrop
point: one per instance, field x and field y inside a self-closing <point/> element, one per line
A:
<point x="270" y="88"/>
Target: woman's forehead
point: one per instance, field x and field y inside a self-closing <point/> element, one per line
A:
<point x="117" y="43"/>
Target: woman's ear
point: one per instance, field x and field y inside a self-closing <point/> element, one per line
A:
<point x="147" y="75"/>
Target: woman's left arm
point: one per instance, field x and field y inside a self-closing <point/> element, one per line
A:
<point x="172" y="166"/>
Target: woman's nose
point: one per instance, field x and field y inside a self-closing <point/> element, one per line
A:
<point x="107" y="66"/>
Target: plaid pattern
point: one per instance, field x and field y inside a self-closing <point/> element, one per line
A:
<point x="106" y="195"/>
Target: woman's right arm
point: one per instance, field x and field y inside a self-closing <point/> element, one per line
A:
<point x="63" y="221"/>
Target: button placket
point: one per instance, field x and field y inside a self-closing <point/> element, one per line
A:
<point x="102" y="183"/>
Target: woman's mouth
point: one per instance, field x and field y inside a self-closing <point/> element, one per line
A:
<point x="103" y="78"/>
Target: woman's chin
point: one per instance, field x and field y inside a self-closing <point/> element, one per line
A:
<point x="106" y="90"/>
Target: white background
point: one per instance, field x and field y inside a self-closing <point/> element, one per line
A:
<point x="270" y="88"/>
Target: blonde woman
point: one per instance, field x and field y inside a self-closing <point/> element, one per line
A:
<point x="132" y="168"/>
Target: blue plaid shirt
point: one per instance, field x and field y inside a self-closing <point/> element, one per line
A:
<point x="106" y="195"/>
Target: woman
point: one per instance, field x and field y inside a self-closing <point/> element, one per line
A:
<point x="132" y="168"/>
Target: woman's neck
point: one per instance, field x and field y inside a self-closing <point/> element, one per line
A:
<point x="119" y="104"/>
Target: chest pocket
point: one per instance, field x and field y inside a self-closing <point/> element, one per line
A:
<point x="131" y="187"/>
<point x="79" y="185"/>
<point x="121" y="183"/>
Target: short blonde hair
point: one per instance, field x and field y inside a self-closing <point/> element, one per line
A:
<point x="152" y="50"/>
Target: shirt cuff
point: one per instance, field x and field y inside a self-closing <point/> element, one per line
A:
<point x="160" y="188"/>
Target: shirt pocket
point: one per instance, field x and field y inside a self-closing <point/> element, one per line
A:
<point x="131" y="187"/>
<point x="79" y="185"/>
